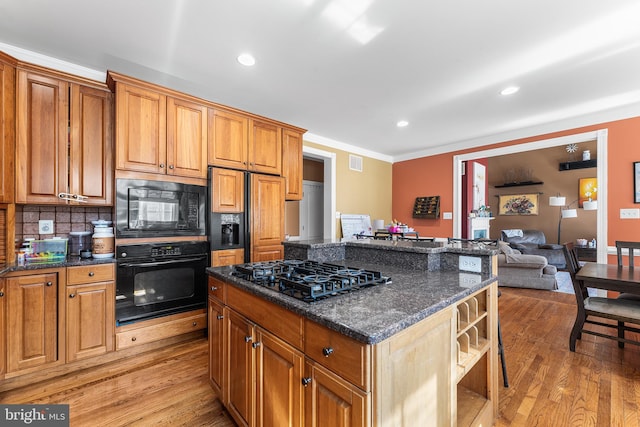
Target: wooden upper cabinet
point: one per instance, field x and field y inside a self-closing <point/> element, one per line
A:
<point x="91" y="152"/>
<point x="241" y="142"/>
<point x="141" y="116"/>
<point x="41" y="147"/>
<point x="265" y="147"/>
<point x="228" y="136"/>
<point x="64" y="140"/>
<point x="292" y="164"/>
<point x="157" y="132"/>
<point x="267" y="211"/>
<point x="227" y="191"/>
<point x="7" y="129"/>
<point x="186" y="138"/>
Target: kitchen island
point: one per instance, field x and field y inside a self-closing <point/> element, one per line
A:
<point x="419" y="350"/>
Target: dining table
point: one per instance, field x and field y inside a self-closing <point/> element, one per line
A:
<point x="610" y="277"/>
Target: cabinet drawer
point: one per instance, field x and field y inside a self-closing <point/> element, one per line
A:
<point x="283" y="323"/>
<point x="90" y="274"/>
<point x="345" y="356"/>
<point x="159" y="331"/>
<point x="217" y="289"/>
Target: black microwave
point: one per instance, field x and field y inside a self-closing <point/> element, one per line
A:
<point x="159" y="209"/>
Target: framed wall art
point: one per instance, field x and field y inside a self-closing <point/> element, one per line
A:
<point x="636" y="182"/>
<point x="519" y="204"/>
<point x="587" y="190"/>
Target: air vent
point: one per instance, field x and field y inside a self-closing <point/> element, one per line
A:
<point x="355" y="163"/>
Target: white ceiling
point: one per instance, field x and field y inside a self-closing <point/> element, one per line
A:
<point x="348" y="70"/>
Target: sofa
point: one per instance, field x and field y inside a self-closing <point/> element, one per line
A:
<point x="524" y="271"/>
<point x="533" y="242"/>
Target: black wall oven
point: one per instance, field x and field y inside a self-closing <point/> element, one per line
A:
<point x="158" y="279"/>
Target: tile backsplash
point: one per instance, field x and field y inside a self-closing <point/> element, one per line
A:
<point x="65" y="219"/>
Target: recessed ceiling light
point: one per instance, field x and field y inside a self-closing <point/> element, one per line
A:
<point x="247" y="59"/>
<point x="510" y="90"/>
<point x="402" y="123"/>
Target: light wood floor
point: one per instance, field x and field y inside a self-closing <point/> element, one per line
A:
<point x="598" y="385"/>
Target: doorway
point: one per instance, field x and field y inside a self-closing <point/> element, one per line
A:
<point x="328" y="192"/>
<point x="600" y="136"/>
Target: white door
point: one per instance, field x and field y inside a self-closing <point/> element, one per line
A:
<point x="311" y="209"/>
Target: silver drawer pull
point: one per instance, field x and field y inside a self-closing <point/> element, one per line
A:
<point x="327" y="351"/>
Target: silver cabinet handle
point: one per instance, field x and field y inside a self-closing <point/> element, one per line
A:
<point x="219" y="317"/>
<point x="248" y="339"/>
<point x="255" y="345"/>
<point x="72" y="295"/>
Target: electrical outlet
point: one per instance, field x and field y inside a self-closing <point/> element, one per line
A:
<point x="470" y="263"/>
<point x="45" y="226"/>
<point x="447" y="215"/>
<point x="468" y="280"/>
<point x="633" y="213"/>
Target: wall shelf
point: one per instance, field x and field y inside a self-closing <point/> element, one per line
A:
<point x="519" y="184"/>
<point x="579" y="165"/>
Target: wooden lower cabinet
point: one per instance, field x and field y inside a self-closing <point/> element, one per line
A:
<point x="279" y="393"/>
<point x="90" y="300"/>
<point x="32" y="319"/>
<point x="3" y="329"/>
<point x="216" y="333"/>
<point x="264" y="383"/>
<point x="239" y="394"/>
<point x="332" y="401"/>
<point x="438" y="372"/>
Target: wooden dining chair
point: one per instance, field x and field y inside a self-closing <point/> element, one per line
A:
<point x="633" y="248"/>
<point x="621" y="310"/>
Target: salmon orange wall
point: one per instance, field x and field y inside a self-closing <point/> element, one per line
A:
<point x="433" y="175"/>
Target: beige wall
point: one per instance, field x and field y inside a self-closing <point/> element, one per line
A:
<point x="365" y="193"/>
<point x="543" y="166"/>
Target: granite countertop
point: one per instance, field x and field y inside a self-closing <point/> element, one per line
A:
<point x="373" y="314"/>
<point x="69" y="262"/>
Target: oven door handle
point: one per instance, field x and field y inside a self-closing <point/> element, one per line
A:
<point x="154" y="264"/>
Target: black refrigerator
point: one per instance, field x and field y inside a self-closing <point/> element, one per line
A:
<point x="246" y="212"/>
<point x="228" y="207"/>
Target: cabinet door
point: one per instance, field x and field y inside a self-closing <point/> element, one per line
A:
<point x="32" y="318"/>
<point x="91" y="154"/>
<point x="227" y="190"/>
<point x="267" y="211"/>
<point x="265" y="148"/>
<point x="228" y="139"/>
<point x="292" y="164"/>
<point x="141" y="129"/>
<point x="7" y="131"/>
<point x="41" y="146"/>
<point x="331" y="401"/>
<point x="90" y="320"/>
<point x="227" y="257"/>
<point x="267" y="253"/>
<point x="279" y="382"/>
<point x="240" y="391"/>
<point x="3" y="329"/>
<point x="186" y="138"/>
<point x="216" y="346"/>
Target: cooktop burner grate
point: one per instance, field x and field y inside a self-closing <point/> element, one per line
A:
<point x="309" y="280"/>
